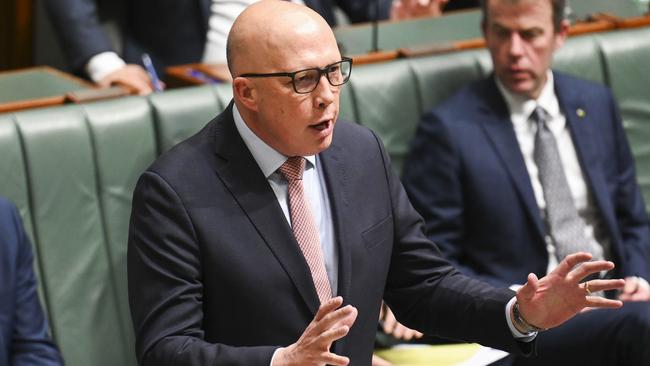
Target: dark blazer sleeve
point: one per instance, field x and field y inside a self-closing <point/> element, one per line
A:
<point x="356" y="10"/>
<point x="364" y="10"/>
<point x="76" y="23"/>
<point x="165" y="285"/>
<point x="426" y="292"/>
<point x="433" y="178"/>
<point x="30" y="341"/>
<point x="629" y="204"/>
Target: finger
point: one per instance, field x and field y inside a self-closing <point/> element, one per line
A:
<point x="640" y="296"/>
<point x="332" y="335"/>
<point x="588" y="268"/>
<point x="571" y="261"/>
<point x="603" y="285"/>
<point x="334" y="359"/>
<point x="601" y="302"/>
<point x="135" y="85"/>
<point x="399" y="331"/>
<point x="327" y="307"/>
<point x="389" y="322"/>
<point x="412" y="333"/>
<point x="528" y="290"/>
<point x="631" y="284"/>
<point x="343" y="316"/>
<point x="408" y="333"/>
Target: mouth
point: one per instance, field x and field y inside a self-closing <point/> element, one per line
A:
<point x="323" y="125"/>
<point x="517" y="72"/>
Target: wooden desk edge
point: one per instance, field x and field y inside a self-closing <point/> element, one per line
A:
<point x="31" y="103"/>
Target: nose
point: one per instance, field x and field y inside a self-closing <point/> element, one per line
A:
<point x="324" y="94"/>
<point x="515" y="47"/>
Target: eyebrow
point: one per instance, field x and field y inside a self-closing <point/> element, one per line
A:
<point x="500" y="27"/>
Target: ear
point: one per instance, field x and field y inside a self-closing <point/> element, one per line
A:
<point x="562" y="34"/>
<point x="244" y="91"/>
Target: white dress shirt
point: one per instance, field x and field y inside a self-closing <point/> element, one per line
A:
<point x="222" y="15"/>
<point x="269" y="160"/>
<point x="520" y="110"/>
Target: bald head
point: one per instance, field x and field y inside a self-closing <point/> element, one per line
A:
<point x="271" y="30"/>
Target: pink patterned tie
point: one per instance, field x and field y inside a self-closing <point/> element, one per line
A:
<point x="304" y="226"/>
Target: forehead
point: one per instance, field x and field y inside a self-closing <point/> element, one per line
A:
<point x="520" y="14"/>
<point x="305" y="47"/>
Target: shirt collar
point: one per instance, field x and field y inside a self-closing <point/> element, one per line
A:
<point x="267" y="158"/>
<point x="518" y="104"/>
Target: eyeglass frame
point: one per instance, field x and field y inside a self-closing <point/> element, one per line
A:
<point x="292" y="75"/>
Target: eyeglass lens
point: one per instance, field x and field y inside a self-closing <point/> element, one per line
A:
<point x="337" y="74"/>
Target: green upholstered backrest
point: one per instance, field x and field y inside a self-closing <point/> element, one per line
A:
<point x="387" y="101"/>
<point x="71" y="169"/>
<point x="437" y="78"/>
<point x="69" y="233"/>
<point x="182" y="112"/>
<point x="122" y="132"/>
<point x="581" y="57"/>
<point x="627" y="63"/>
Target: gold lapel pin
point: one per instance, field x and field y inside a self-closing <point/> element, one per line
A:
<point x="581" y="112"/>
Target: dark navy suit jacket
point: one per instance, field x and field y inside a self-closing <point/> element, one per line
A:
<point x="467" y="177"/>
<point x="216" y="276"/>
<point x="173" y="32"/>
<point x="24" y="338"/>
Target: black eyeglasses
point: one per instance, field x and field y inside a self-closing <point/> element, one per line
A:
<point x="305" y="81"/>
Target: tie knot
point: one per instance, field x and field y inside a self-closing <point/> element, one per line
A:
<point x="539" y="116"/>
<point x="292" y="168"/>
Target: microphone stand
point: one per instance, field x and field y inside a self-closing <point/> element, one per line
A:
<point x="375" y="28"/>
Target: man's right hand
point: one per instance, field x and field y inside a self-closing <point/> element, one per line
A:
<point x="130" y="76"/>
<point x="331" y="323"/>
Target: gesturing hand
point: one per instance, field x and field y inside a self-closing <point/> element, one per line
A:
<point x="559" y="296"/>
<point x="396" y="329"/>
<point x="313" y="347"/>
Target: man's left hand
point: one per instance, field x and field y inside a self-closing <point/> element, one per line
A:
<point x="636" y="289"/>
<point x="559" y="296"/>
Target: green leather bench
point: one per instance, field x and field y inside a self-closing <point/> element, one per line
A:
<point x="71" y="169"/>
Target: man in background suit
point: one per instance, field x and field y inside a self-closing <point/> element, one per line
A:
<point x="479" y="174"/>
<point x="174" y="32"/>
<point x="238" y="255"/>
<point x="24" y="338"/>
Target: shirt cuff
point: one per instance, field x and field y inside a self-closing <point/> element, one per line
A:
<point x="523" y="337"/>
<point x="274" y="353"/>
<point x="103" y="64"/>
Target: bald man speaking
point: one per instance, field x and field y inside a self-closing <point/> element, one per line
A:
<point x="271" y="236"/>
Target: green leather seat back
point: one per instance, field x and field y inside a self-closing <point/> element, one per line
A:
<point x="14" y="182"/>
<point x="580" y="56"/>
<point x="224" y="94"/>
<point x="180" y="113"/>
<point x="387" y="102"/>
<point x="122" y="132"/>
<point x="346" y="104"/>
<point x="627" y="60"/>
<point x="68" y="231"/>
<point x="12" y="169"/>
<point x="440" y="76"/>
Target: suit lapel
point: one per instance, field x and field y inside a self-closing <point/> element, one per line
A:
<point x="239" y="172"/>
<point x="581" y="125"/>
<point x="335" y="176"/>
<point x="496" y="123"/>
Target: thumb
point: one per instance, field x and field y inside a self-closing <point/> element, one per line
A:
<point x="527" y="291"/>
